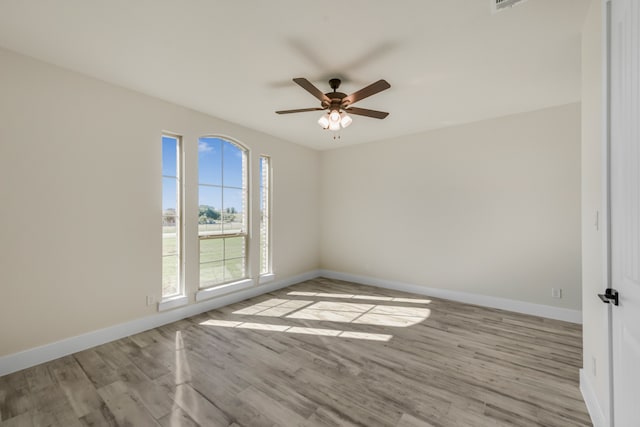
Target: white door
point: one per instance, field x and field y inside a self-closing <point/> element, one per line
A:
<point x="625" y="209"/>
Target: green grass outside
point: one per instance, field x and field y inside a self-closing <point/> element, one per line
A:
<point x="221" y="261"/>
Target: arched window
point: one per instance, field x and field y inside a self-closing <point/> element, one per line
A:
<point x="222" y="213"/>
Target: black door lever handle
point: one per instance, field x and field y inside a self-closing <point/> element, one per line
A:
<point x="610" y="296"/>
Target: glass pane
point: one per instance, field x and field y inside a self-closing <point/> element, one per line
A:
<point x="169" y="196"/>
<point x="169" y="223"/>
<point x="169" y="242"/>
<point x="262" y="199"/>
<point x="211" y="250"/>
<point x="169" y="156"/>
<point x="233" y="159"/>
<point x="170" y="269"/>
<point x="264" y="261"/>
<point x="234" y="269"/>
<point x="210" y="206"/>
<point x="264" y="215"/>
<point x="210" y="161"/>
<point x="211" y="273"/>
<point x="234" y="247"/>
<point x="232" y="214"/>
<point x="171" y="284"/>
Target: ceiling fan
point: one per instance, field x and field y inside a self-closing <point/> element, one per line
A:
<point x="339" y="104"/>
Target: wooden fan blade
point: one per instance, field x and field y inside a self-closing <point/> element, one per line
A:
<point x="309" y="87"/>
<point x="366" y="92"/>
<point x="299" y="110"/>
<point x="366" y="112"/>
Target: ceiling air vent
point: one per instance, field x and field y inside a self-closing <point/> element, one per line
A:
<point x="498" y="5"/>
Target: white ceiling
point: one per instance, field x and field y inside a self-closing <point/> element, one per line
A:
<point x="448" y="61"/>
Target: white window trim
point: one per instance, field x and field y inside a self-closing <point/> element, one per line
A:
<point x="179" y="227"/>
<point x="266" y="278"/>
<point x="173" y="302"/>
<point x="227" y="288"/>
<point x="267" y="189"/>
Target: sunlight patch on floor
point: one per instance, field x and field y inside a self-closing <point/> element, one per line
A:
<point x="364" y="297"/>
<point x="364" y="312"/>
<point x="342" y="312"/>
<point x="274" y="307"/>
<point x="297" y="330"/>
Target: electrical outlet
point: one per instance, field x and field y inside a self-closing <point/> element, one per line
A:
<point x="556" y="292"/>
<point x="150" y="299"/>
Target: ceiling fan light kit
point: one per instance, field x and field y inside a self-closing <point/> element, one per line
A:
<point x="345" y="120"/>
<point x="339" y="104"/>
<point x="323" y="121"/>
<point x="335" y="120"/>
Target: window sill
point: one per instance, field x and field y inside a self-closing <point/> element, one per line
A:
<point x="173" y="302"/>
<point x="223" y="289"/>
<point x="266" y="278"/>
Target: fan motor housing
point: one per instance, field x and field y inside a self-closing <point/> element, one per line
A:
<point x="336" y="100"/>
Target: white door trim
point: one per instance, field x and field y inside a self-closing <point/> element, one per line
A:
<point x="606" y="194"/>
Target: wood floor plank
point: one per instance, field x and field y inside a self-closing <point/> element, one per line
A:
<point x="325" y="417"/>
<point x="272" y="409"/>
<point x="98" y="372"/>
<point x="38" y="377"/>
<point x="125" y="406"/>
<point x="201" y="410"/>
<point x="52" y="408"/>
<point x="102" y="417"/>
<point x="15" y="398"/>
<point x="177" y="418"/>
<point x="410" y="421"/>
<point x="321" y="353"/>
<point x="143" y="359"/>
<point x="77" y="387"/>
<point x="155" y="400"/>
<point x="22" y="420"/>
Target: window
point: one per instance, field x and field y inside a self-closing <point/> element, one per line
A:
<point x="222" y="217"/>
<point x="265" y="215"/>
<point x="171" y="216"/>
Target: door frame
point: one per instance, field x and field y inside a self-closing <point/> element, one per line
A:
<point x="606" y="195"/>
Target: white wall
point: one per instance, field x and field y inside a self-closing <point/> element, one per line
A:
<point x="490" y="208"/>
<point x="80" y="201"/>
<point x="595" y="347"/>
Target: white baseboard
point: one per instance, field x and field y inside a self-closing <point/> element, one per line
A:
<point x="568" y="315"/>
<point x="35" y="356"/>
<point x="593" y="406"/>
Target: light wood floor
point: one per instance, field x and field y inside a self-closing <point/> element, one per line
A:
<point x="321" y="353"/>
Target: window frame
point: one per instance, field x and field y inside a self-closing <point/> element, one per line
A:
<point x="179" y="177"/>
<point x="265" y="267"/>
